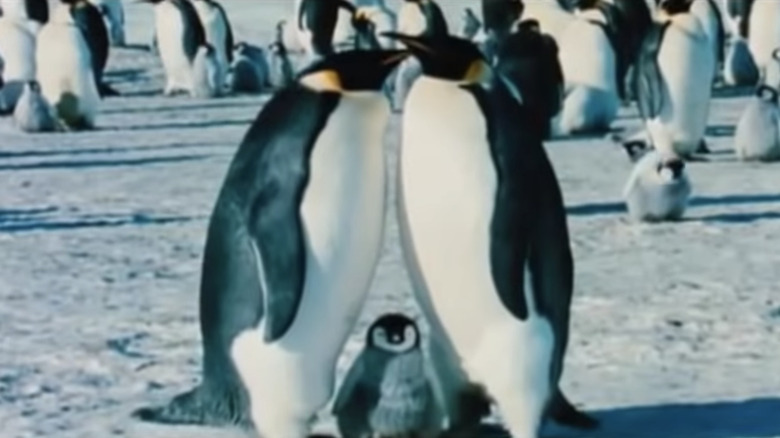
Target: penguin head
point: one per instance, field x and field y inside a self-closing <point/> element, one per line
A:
<point x="393" y="333"/>
<point x="671" y="169"/>
<point x="447" y="57"/>
<point x="351" y="71"/>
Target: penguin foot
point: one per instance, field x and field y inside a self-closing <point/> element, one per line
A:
<point x="106" y="90"/>
<point x="565" y="414"/>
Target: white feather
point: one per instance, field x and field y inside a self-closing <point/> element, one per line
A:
<point x="17" y="48"/>
<point x="170" y="34"/>
<point x="764" y="26"/>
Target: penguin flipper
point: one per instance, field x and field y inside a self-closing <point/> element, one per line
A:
<point x="563" y="412"/>
<point x="648" y="82"/>
<point x="229" y="38"/>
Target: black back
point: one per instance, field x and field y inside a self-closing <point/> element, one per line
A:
<point x="90" y="21"/>
<point x="259" y="207"/>
<point x="320" y="17"/>
<point x="37" y="10"/>
<point x="194" y="33"/>
<point x="648" y="82"/>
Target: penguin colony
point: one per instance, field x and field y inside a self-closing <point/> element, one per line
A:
<point x="297" y="229"/>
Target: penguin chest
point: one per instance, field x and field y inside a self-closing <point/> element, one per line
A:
<point x="170" y="41"/>
<point x="448" y="183"/>
<point x="587" y="57"/>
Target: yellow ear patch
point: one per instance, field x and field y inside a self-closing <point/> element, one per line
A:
<point x="478" y="71"/>
<point x="325" y="80"/>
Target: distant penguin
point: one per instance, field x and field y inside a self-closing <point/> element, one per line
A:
<point x="90" y="21"/>
<point x="709" y="14"/>
<point x="386" y="392"/>
<point x="219" y="33"/>
<point x="208" y="74"/>
<point x="280" y="69"/>
<point x="33" y="113"/>
<point x="673" y="100"/>
<point x="590" y="68"/>
<point x="316" y="23"/>
<point x="17" y="48"/>
<point x="528" y="58"/>
<point x="658" y="188"/>
<point x="114" y="17"/>
<point x="249" y="70"/>
<point x="763" y="30"/>
<point x="292" y="246"/>
<point x="489" y="229"/>
<point x="757" y="137"/>
<point x="382" y="16"/>
<point x="470" y="25"/>
<point x="739" y="67"/>
<point x="33" y="14"/>
<point x="65" y="71"/>
<point x="498" y="20"/>
<point x="179" y="35"/>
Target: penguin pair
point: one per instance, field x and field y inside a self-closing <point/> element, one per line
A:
<point x="281" y="70"/>
<point x="757" y="137"/>
<point x="292" y="245"/>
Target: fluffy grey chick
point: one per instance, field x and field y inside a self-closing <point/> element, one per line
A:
<point x="757" y="137"/>
<point x="207" y="72"/>
<point x="386" y="393"/>
<point x="658" y="188"/>
<point x="33" y="113"/>
<point x="249" y="71"/>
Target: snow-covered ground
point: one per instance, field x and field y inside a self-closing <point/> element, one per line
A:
<point x="676" y="327"/>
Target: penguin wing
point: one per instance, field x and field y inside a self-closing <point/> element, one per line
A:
<point x="268" y="178"/>
<point x="648" y="82"/>
<point x="229" y="39"/>
<point x="435" y="23"/>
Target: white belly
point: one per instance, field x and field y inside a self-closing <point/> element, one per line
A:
<point x="65" y="72"/>
<point x="17" y="49"/>
<point x="709" y="20"/>
<point x="587" y="57"/>
<point x="684" y="59"/>
<point x="170" y="43"/>
<point x="764" y="35"/>
<point x="343" y="215"/>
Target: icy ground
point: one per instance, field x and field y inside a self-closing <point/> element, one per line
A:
<point x="676" y="327"/>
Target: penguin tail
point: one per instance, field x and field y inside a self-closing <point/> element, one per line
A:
<point x="563" y="412"/>
<point x="199" y="407"/>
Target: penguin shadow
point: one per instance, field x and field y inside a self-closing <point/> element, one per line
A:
<point x="727" y="92"/>
<point x="214" y="104"/>
<point x="600" y="134"/>
<point x="80" y="164"/>
<point x="243" y="122"/>
<point x="48" y="219"/>
<point x="124" y="75"/>
<point x="607" y="208"/>
<point x="720" y="131"/>
<point x="92" y="151"/>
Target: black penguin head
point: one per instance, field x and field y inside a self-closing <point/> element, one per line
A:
<point x="671" y="169"/>
<point x="447" y="57"/>
<point x="767" y="94"/>
<point x="351" y="71"/>
<point x="393" y="333"/>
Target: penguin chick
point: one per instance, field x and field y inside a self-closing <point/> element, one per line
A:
<point x="33" y="112"/>
<point x="757" y="137"/>
<point x="207" y="73"/>
<point x="386" y="392"/>
<point x="281" y="72"/>
<point x="739" y="67"/>
<point x="249" y="71"/>
<point x="658" y="188"/>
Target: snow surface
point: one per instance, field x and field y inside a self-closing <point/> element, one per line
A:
<point x="675" y="330"/>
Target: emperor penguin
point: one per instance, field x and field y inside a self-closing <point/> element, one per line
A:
<point x="249" y="72"/>
<point x="590" y="68"/>
<point x="658" y="188"/>
<point x="528" y="59"/>
<point x="757" y="137"/>
<point x="739" y="67"/>
<point x="763" y="30"/>
<point x="65" y="71"/>
<point x="320" y="25"/>
<point x="489" y="229"/>
<point x="709" y="14"/>
<point x="32" y="14"/>
<point x="219" y="33"/>
<point x="386" y="392"/>
<point x="292" y="245"/>
<point x="382" y="16"/>
<point x="114" y="18"/>
<point x="33" y="113"/>
<point x="207" y="73"/>
<point x="179" y="35"/>
<point x="280" y="68"/>
<point x="673" y="100"/>
<point x="17" y="48"/>
<point x="89" y="20"/>
<point x="498" y="20"/>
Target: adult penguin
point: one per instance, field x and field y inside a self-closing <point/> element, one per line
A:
<point x="291" y="249"/>
<point x="317" y="22"/>
<point x="17" y="48"/>
<point x="763" y="30"/>
<point x="219" y="33"/>
<point x="673" y="100"/>
<point x="498" y="20"/>
<point x="90" y="21"/>
<point x="491" y="230"/>
<point x="34" y="13"/>
<point x="179" y="35"/>
<point x="709" y="14"/>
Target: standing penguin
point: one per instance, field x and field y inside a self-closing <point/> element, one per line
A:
<point x="90" y="21"/>
<point x="249" y="70"/>
<point x="316" y="22"/>
<point x="709" y="14"/>
<point x="17" y="48"/>
<point x="673" y="100"/>
<point x="65" y="71"/>
<point x="280" y="68"/>
<point x="33" y="113"/>
<point x="658" y="188"/>
<point x="208" y="74"/>
<point x="739" y="67"/>
<point x="386" y="392"/>
<point x="114" y="18"/>
<point x="292" y="246"/>
<point x="219" y="33"/>
<point x="757" y="137"/>
<point x="763" y="30"/>
<point x="179" y="34"/>
<point x="489" y="229"/>
<point x="33" y="14"/>
<point x="470" y="27"/>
